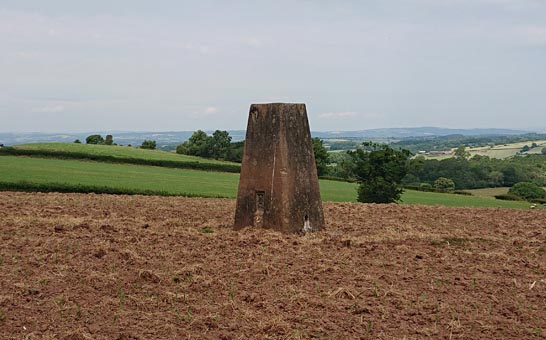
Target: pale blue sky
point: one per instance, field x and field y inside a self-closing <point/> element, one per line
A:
<point x="185" y="65"/>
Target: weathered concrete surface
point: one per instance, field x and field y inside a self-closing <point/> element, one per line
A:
<point x="279" y="187"/>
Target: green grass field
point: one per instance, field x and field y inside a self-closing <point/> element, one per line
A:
<point x="182" y="181"/>
<point x="116" y="151"/>
<point x="430" y="198"/>
<point x="489" y="192"/>
<point x="499" y="151"/>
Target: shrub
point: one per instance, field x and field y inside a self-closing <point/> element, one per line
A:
<point x="27" y="186"/>
<point x="539" y="200"/>
<point x="527" y="191"/>
<point x="425" y="186"/>
<point x="148" y="144"/>
<point x="379" y="170"/>
<point x="109" y="140"/>
<point x="508" y="197"/>
<point x="462" y="192"/>
<point x="94" y="139"/>
<point x="444" y="184"/>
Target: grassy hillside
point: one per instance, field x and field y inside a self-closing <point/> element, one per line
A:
<point x="116" y="151"/>
<point x="489" y="192"/>
<point x="120" y="154"/>
<point x="507" y="150"/>
<point x="190" y="182"/>
<point x="429" y="198"/>
<point x="500" y="151"/>
<point x="172" y="181"/>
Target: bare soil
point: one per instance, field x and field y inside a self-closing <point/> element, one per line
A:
<point x="77" y="266"/>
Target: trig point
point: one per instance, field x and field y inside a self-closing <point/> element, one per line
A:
<point x="279" y="188"/>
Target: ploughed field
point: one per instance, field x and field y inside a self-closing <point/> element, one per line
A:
<point x="77" y="266"/>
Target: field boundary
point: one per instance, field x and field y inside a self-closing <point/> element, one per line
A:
<point x="26" y="186"/>
<point x="10" y="151"/>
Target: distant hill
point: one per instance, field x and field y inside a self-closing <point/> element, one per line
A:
<point x="416" y="132"/>
<point x="169" y="139"/>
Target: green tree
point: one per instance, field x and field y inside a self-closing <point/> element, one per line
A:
<point x="534" y="145"/>
<point x="199" y="144"/>
<point x="219" y="144"/>
<point x="379" y="171"/>
<point x="425" y="186"/>
<point x="444" y="184"/>
<point x="109" y="140"/>
<point x="496" y="178"/>
<point x="77" y="141"/>
<point x="148" y="144"/>
<point x="321" y="156"/>
<point x="341" y="165"/>
<point x="461" y="152"/>
<point x="525" y="148"/>
<point x="94" y="139"/>
<point x="527" y="191"/>
<point x="235" y="152"/>
<point x="543" y="151"/>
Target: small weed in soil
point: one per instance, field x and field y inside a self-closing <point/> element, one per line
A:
<point x="206" y="230"/>
<point x="232" y="290"/>
<point x="188" y="313"/>
<point x="122" y="298"/>
<point x="453" y="241"/>
<point x="2" y="316"/>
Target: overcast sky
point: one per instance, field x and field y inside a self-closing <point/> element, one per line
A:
<point x="183" y="65"/>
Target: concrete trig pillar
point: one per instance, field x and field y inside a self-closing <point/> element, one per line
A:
<point x="278" y="187"/>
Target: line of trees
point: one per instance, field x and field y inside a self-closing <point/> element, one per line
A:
<point x="478" y="171"/>
<point x="217" y="146"/>
<point x="463" y="171"/>
<point x="109" y="140"/>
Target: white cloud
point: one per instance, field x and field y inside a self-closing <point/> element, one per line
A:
<point x="253" y="42"/>
<point x="211" y="110"/>
<point x="53" y="108"/>
<point x="508" y="4"/>
<point x="532" y="35"/>
<point x="336" y="115"/>
<point x="202" y="112"/>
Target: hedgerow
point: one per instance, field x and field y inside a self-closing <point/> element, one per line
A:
<point x="27" y="186"/>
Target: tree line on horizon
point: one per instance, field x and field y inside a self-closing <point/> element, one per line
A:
<point x="109" y="140"/>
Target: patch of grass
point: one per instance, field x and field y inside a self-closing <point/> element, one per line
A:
<point x="489" y="192"/>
